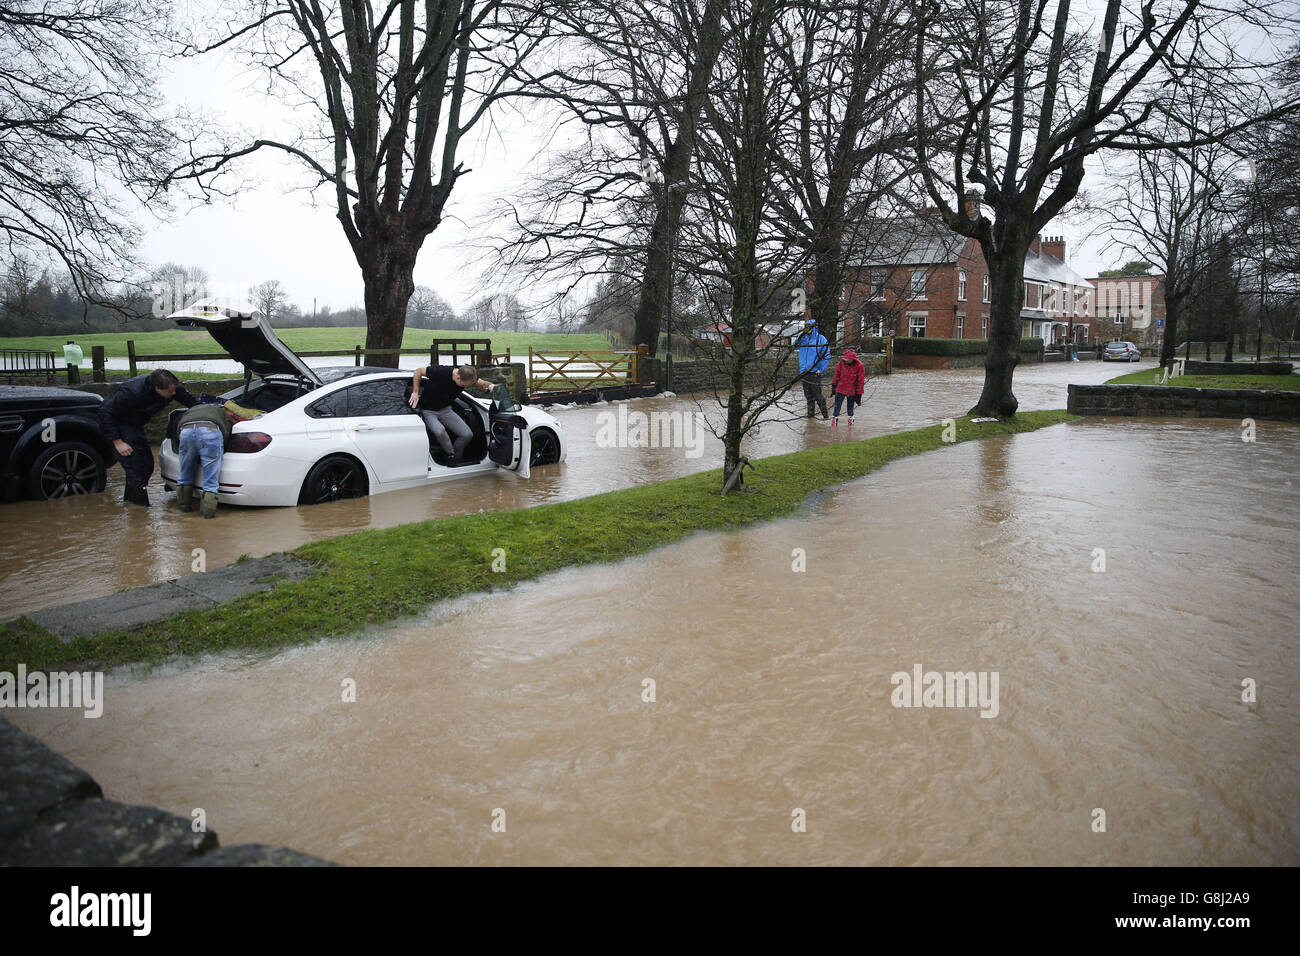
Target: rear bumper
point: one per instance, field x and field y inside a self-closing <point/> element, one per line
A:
<point x="258" y="480"/>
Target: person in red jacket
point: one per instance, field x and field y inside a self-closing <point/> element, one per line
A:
<point x="850" y="379"/>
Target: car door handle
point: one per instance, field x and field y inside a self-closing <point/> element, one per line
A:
<point x="363" y="428"/>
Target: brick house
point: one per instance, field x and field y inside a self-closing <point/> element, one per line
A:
<point x="927" y="281"/>
<point x="1131" y="308"/>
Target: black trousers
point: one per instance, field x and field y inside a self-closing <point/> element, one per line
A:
<point x="139" y="464"/>
<point x="812" y="392"/>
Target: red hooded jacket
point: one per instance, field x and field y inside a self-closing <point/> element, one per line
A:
<point x="850" y="375"/>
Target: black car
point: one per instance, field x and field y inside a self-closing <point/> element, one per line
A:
<point x="50" y="445"/>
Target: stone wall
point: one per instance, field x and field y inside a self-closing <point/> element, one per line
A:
<point x="704" y="376"/>
<point x="53" y="813"/>
<point x="1161" y="401"/>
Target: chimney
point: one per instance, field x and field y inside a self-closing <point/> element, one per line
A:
<point x="1036" y="246"/>
<point x="1055" y="246"/>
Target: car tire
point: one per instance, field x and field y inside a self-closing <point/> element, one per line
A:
<point x="545" y="446"/>
<point x="333" y="478"/>
<point x="64" y="469"/>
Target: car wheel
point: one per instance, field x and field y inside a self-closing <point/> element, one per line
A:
<point x="67" y="468"/>
<point x="545" y="447"/>
<point x="331" y="479"/>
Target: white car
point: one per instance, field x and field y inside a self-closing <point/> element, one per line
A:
<point x="343" y="432"/>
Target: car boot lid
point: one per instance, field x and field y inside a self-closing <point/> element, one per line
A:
<point x="245" y="334"/>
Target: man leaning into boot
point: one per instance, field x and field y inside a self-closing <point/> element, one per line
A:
<point x="204" y="431"/>
<point x="122" y="418"/>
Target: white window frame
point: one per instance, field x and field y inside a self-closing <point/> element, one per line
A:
<point x="912" y="288"/>
<point x="987" y="290"/>
<point x="984" y="326"/>
<point x="961" y="325"/>
<point x="961" y="285"/>
<point x="911" y="323"/>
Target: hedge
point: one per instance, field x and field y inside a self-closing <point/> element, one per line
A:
<point x="906" y="345"/>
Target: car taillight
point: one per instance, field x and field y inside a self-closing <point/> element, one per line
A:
<point x="248" y="442"/>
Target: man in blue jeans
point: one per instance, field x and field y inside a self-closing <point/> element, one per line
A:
<point x="204" y="431"/>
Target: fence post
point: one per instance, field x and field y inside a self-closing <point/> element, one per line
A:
<point x="74" y="373"/>
<point x="358" y="358"/>
<point x="130" y="355"/>
<point x="97" y="363"/>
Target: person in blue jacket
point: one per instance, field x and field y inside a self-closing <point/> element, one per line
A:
<point x="122" y="418"/>
<point x="814" y="353"/>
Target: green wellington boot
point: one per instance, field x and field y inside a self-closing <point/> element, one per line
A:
<point x="209" y="507"/>
<point x="185" y="497"/>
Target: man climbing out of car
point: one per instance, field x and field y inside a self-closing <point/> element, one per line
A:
<point x="203" y="432"/>
<point x="122" y="418"/>
<point x="436" y="401"/>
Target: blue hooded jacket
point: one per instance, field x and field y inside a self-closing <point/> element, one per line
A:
<point x="814" y="351"/>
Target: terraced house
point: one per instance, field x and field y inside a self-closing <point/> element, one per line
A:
<point x="924" y="280"/>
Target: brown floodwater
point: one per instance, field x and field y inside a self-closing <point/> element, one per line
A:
<point x="1118" y="690"/>
<point x="55" y="552"/>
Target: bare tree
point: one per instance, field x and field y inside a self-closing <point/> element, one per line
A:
<point x="634" y="79"/>
<point x="270" y="298"/>
<point x="1171" y="213"/>
<point x="397" y="86"/>
<point x="1033" y="89"/>
<point x="81" y="131"/>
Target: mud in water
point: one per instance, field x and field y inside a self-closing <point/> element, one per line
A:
<point x="55" y="552"/>
<point x="1119" y="690"/>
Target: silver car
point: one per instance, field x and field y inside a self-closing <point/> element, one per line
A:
<point x="1121" y="352"/>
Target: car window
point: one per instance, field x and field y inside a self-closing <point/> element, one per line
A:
<point x="333" y="405"/>
<point x="386" y="396"/>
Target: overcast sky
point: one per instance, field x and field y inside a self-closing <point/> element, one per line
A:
<point x="274" y="231"/>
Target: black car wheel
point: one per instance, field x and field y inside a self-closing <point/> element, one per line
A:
<point x="332" y="479"/>
<point x="66" y="468"/>
<point x="545" y="447"/>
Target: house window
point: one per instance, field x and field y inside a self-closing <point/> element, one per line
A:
<point x="984" y="326"/>
<point x="877" y="279"/>
<point x="918" y="283"/>
<point x="916" y="324"/>
<point x="961" y="283"/>
<point x="1053" y="306"/>
<point x="986" y="289"/>
<point x="878" y="328"/>
<point x="961" y="325"/>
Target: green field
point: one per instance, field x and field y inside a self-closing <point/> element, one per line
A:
<point x="1288" y="383"/>
<point x="181" y="342"/>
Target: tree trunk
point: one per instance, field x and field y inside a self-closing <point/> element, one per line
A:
<point x="1169" y="343"/>
<point x="1007" y="281"/>
<point x="389" y="283"/>
<point x="828" y="255"/>
<point x="1232" y="334"/>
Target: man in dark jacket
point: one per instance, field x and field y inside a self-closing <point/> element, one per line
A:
<point x="122" y="417"/>
<point x="202" y="432"/>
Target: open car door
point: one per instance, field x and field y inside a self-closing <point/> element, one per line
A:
<point x="508" y="442"/>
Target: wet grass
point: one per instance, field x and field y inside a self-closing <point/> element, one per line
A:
<point x="1266" y="382"/>
<point x="371" y="577"/>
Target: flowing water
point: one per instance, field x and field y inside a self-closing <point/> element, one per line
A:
<point x="55" y="552"/>
<point x="1119" y="690"/>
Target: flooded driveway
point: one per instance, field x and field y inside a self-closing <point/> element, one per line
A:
<point x="1118" y="690"/>
<point x="55" y="552"/>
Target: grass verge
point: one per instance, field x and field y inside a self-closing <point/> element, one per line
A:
<point x="1286" y="383"/>
<point x="375" y="576"/>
